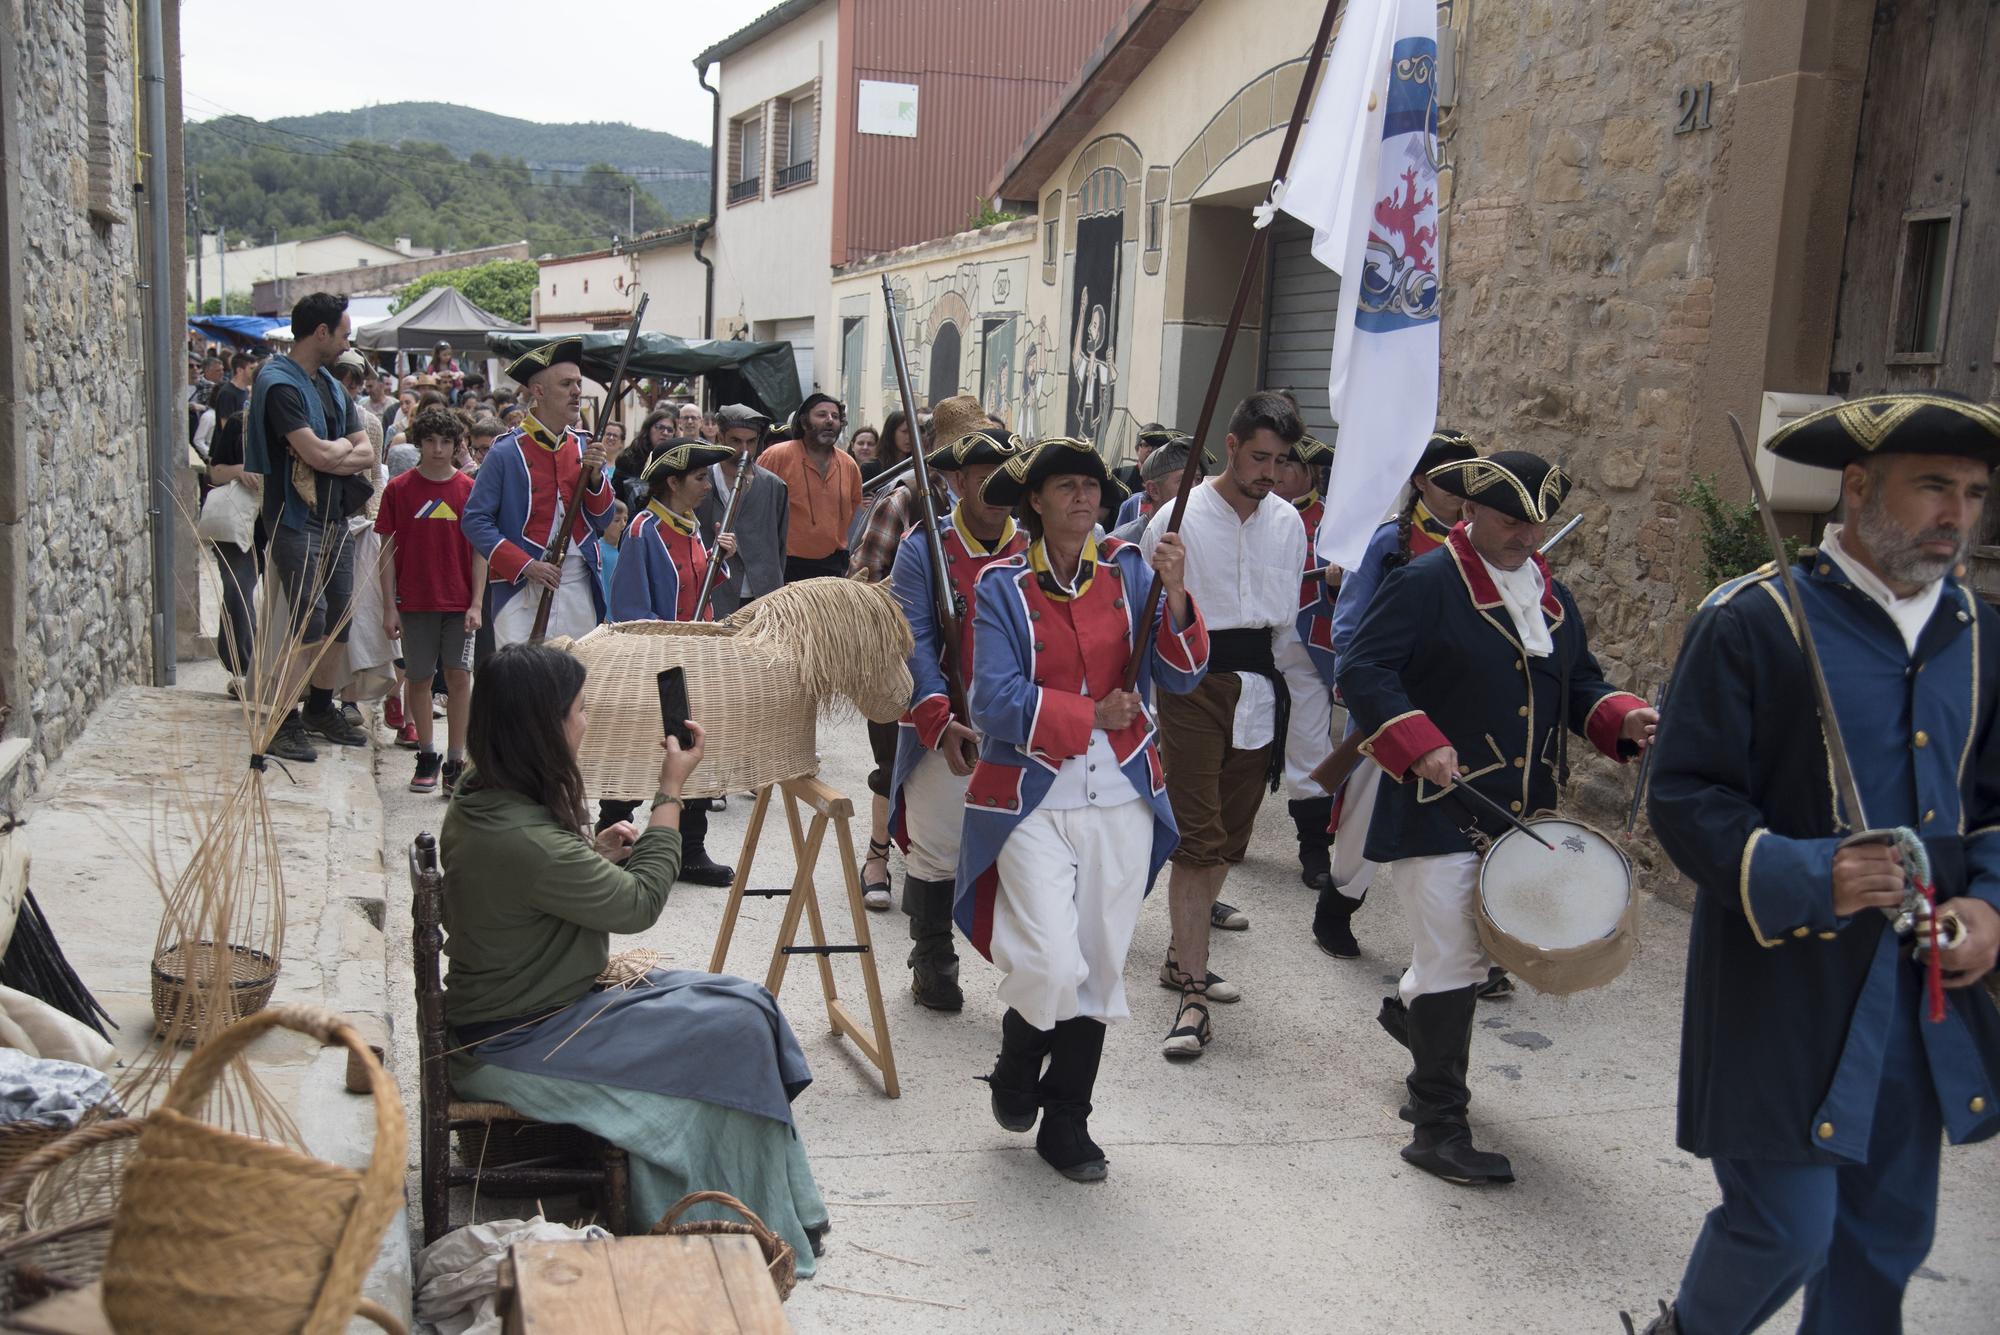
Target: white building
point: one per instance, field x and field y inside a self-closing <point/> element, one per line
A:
<point x="247" y="262"/>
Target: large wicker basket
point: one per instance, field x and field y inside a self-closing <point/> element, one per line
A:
<point x="68" y="1191"/>
<point x="779" y="1258"/>
<point x="180" y="1011"/>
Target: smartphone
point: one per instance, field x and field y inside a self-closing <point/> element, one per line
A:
<point x="674" y="706"/>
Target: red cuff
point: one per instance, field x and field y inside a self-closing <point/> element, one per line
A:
<point x="506" y="562"/>
<point x="928" y="716"/>
<point x="1606" y="721"/>
<point x="1187" y="649"/>
<point x="1402" y="741"/>
<point x="1062" y="725"/>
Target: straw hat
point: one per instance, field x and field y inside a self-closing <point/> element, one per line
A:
<point x="957" y="416"/>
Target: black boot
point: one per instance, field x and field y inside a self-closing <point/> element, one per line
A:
<point x="933" y="962"/>
<point x="1440" y="1033"/>
<point x="697" y="867"/>
<point x="1668" y="1322"/>
<point x="1394" y="1018"/>
<point x="1064" y="1141"/>
<point x="1313" y="817"/>
<point x="1333" y="925"/>
<point x="1017" y="1071"/>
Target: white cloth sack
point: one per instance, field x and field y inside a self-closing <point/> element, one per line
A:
<point x="458" y="1276"/>
<point x="229" y="514"/>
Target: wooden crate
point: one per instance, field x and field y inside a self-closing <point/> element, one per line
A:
<point x="708" y="1285"/>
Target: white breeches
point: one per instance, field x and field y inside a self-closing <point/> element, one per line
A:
<point x="1352" y="872"/>
<point x="1071" y="885"/>
<point x="1437" y="894"/>
<point x="573" y="613"/>
<point x="933" y="817"/>
<point x="1309" y="737"/>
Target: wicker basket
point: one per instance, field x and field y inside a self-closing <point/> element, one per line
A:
<point x="179" y="1010"/>
<point x="18" y="1140"/>
<point x="779" y="1259"/>
<point x="68" y="1190"/>
<point x="219" y="1231"/>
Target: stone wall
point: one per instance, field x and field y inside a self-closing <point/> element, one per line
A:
<point x="1580" y="284"/>
<point x="73" y="443"/>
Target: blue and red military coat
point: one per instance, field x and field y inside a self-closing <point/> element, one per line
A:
<point x="528" y="475"/>
<point x="1436" y="662"/>
<point x="661" y="565"/>
<point x="1041" y="662"/>
<point x="1316" y="599"/>
<point x="911" y="580"/>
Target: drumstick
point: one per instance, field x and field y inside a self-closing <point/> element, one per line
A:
<point x="1645" y="772"/>
<point x="1502" y="812"/>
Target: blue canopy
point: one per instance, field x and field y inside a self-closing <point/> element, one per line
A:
<point x="241" y="330"/>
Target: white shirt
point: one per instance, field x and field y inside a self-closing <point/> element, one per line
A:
<point x="1521" y="594"/>
<point x="1910" y="614"/>
<point x="1241" y="573"/>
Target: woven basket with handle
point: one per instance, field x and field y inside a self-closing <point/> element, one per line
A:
<point x="779" y="1258"/>
<point x="217" y="1231"/>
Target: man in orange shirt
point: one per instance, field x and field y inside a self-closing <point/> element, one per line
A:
<point x="824" y="484"/>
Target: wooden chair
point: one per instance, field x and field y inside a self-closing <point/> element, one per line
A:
<point x="593" y="1166"/>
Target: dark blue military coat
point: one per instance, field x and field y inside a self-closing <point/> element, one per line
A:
<point x="1436" y="661"/>
<point x="1787" y="1008"/>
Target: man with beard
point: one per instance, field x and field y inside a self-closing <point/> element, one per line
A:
<point x="1469" y="667"/>
<point x="1222" y="741"/>
<point x="528" y="479"/>
<point x="1816" y="1074"/>
<point x="823" y="484"/>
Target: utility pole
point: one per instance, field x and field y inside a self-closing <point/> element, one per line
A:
<point x="194" y="210"/>
<point x="631" y="211"/>
<point x="222" y="264"/>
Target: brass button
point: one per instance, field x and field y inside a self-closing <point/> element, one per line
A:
<point x="992" y="802"/>
<point x="1039" y="646"/>
<point x="1802" y="931"/>
<point x="1978" y="1103"/>
<point x="1518" y="665"/>
<point x="1922" y="738"/>
<point x="1520" y="762"/>
<point x="1825" y="569"/>
<point x="1515" y="806"/>
<point x="1828" y="936"/>
<point x="1826" y="1130"/>
<point x="1930" y="815"/>
<point x="1522" y="711"/>
<point x="1034" y="616"/>
<point x="1118" y="603"/>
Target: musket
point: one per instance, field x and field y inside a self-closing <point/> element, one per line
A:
<point x="558" y="550"/>
<point x="1333" y="771"/>
<point x="891" y="475"/>
<point x="944" y="603"/>
<point x="722" y="527"/>
<point x="1902" y="919"/>
<point x="1252" y="275"/>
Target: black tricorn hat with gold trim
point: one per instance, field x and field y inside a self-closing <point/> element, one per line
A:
<point x="1312" y="451"/>
<point x="1445" y="446"/>
<point x="685" y="455"/>
<point x="1514" y="482"/>
<point x="570" y="349"/>
<point x="1154" y="436"/>
<point x="984" y="445"/>
<point x="1052" y="457"/>
<point x="1915" y="422"/>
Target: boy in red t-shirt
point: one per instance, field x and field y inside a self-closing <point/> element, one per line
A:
<point x="432" y="589"/>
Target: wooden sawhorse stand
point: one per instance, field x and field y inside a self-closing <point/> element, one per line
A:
<point x="829" y="808"/>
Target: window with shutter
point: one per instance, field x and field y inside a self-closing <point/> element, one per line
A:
<point x="800" y="125"/>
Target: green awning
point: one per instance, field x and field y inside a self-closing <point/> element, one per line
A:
<point x="763" y="375"/>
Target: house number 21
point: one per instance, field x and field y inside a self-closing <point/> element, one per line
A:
<point x="1692" y="103"/>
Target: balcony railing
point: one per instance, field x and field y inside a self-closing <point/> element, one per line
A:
<point x="745" y="189"/>
<point x="796" y="174"/>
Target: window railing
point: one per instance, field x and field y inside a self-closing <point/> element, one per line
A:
<point x="745" y="189"/>
<point x="796" y="174"/>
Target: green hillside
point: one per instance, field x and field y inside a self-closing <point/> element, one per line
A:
<point x="671" y="169"/>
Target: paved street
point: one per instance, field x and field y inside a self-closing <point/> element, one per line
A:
<point x="1259" y="1188"/>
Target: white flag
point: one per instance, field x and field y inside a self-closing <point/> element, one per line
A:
<point x="1365" y="179"/>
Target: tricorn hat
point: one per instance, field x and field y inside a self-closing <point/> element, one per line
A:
<point x="986" y="444"/>
<point x="685" y="455"/>
<point x="1514" y="482"/>
<point x="1915" y="422"/>
<point x="1155" y="435"/>
<point x="954" y="417"/>
<point x="1445" y="446"/>
<point x="524" y="367"/>
<point x="1053" y="457"/>
<point x="1312" y="451"/>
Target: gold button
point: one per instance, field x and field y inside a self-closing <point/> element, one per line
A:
<point x="1517" y="665"/>
<point x="1825" y="569"/>
<point x="1522" y="711"/>
<point x="1978" y="1103"/>
<point x="1826" y="1130"/>
<point x="1516" y="806"/>
<point x="1922" y="738"/>
<point x="1802" y="931"/>
<point x="1520" y="762"/>
<point x="1828" y="936"/>
<point x="1930" y="816"/>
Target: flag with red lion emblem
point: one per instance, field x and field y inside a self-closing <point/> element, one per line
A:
<point x="1364" y="179"/>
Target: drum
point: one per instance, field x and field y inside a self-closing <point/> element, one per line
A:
<point x="1560" y="921"/>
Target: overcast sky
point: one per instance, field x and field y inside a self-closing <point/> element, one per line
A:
<point x="581" y="60"/>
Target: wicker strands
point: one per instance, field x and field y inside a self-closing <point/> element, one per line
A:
<point x="779" y="1258"/>
<point x="756" y="683"/>
<point x="219" y="1231"/>
<point x="18" y="1140"/>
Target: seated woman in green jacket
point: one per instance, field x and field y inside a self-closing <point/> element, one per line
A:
<point x="691" y="1073"/>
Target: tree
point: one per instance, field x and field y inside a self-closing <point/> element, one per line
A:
<point x="505" y="288"/>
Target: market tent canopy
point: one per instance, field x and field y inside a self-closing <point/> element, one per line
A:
<point x="239" y="330"/>
<point x="440" y="315"/>
<point x="763" y="375"/>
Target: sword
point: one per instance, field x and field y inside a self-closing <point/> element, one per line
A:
<point x="1559" y="534"/>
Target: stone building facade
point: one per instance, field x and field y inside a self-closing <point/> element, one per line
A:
<point x="76" y="586"/>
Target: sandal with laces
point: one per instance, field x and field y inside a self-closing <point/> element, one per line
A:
<point x="1215" y="987"/>
<point x="875" y="891"/>
<point x="1185" y="1042"/>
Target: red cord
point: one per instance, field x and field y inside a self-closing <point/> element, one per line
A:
<point x="1934" y="966"/>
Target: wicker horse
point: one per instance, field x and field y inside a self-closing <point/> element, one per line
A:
<point x="757" y="684"/>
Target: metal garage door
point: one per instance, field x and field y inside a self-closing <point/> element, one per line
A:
<point x="1298" y="345"/>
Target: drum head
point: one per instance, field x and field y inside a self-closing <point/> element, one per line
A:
<point x="1560" y="900"/>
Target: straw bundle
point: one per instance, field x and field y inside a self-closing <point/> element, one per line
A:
<point x="756" y="683"/>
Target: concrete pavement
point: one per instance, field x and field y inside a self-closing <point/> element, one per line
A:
<point x="1258" y="1188"/>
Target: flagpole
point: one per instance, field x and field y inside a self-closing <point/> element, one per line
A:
<point x="1252" y="267"/>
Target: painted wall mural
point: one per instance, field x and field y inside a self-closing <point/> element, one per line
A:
<point x="962" y="331"/>
<point x="1096" y="279"/>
